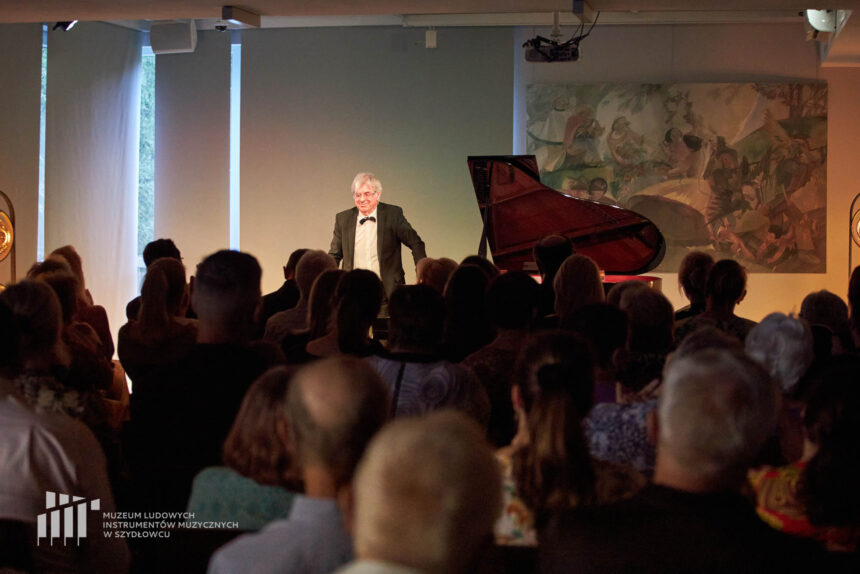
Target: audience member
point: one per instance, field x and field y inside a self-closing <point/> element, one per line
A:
<point x="321" y="318"/>
<point x="467" y="324"/>
<point x="287" y="295"/>
<point x="399" y="522"/>
<point x="41" y="354"/>
<point x="547" y="465"/>
<point x="419" y="379"/>
<point x="604" y="326"/>
<point x="617" y="291"/>
<point x="357" y="299"/>
<point x="512" y="302"/>
<point x="829" y="310"/>
<point x="650" y="328"/>
<point x="716" y="410"/>
<point x="484" y="264"/>
<point x="334" y="407"/>
<point x="435" y="272"/>
<point x="725" y="288"/>
<point x="259" y="478"/>
<point x="153" y="250"/>
<point x="692" y="279"/>
<point x="854" y="304"/>
<point x="87" y="311"/>
<point x="88" y="370"/>
<point x="190" y="405"/>
<point x="309" y="267"/>
<point x="549" y="253"/>
<point x="160" y="334"/>
<point x="782" y="344"/>
<point x="817" y="496"/>
<point x="47" y="451"/>
<point x="620" y="432"/>
<point x="576" y="285"/>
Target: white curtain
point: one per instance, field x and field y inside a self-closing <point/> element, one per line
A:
<point x="192" y="148"/>
<point x="91" y="156"/>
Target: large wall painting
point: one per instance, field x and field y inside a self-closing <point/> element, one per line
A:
<point x="737" y="170"/>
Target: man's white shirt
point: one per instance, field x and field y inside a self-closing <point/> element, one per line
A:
<point x="366" y="255"/>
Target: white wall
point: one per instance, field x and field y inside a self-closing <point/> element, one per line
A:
<point x="726" y="53"/>
<point x="320" y="105"/>
<point x="20" y="68"/>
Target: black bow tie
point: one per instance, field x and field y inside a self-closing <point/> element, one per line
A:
<point x="363" y="219"/>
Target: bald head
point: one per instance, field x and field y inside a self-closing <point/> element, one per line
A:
<point x="427" y="494"/>
<point x="334" y="407"/>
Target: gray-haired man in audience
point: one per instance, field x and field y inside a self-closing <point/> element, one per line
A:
<point x="334" y="407"/>
<point x="716" y="410"/>
<point x="426" y="497"/>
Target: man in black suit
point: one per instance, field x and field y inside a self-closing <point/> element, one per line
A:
<point x="369" y="235"/>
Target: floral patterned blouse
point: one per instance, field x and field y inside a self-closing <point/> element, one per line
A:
<point x="516" y="525"/>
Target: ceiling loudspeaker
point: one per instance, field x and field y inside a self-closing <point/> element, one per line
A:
<point x="173" y="37"/>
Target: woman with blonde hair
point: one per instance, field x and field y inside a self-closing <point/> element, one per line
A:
<point x="577" y="284"/>
<point x="161" y="334"/>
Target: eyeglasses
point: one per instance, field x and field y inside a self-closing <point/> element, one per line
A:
<point x="364" y="195"/>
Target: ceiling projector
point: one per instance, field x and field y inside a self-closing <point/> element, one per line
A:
<point x="540" y="49"/>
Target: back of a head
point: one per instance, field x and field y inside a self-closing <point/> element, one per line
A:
<point x="417" y="317"/>
<point x="66" y="287"/>
<point x="51" y="264"/>
<point x="577" y="284"/>
<point x="321" y="302"/>
<point x="358" y="296"/>
<point x="435" y="272"/>
<point x="227" y="288"/>
<point x="36" y="314"/>
<point x="293" y="261"/>
<point x="828" y="309"/>
<point x="334" y="407"/>
<point x="726" y="282"/>
<point x="783" y="345"/>
<point x="550" y="252"/>
<point x="158" y="249"/>
<point x="716" y="410"/>
<point x="555" y="378"/>
<point x="488" y="267"/>
<point x="704" y="338"/>
<point x="854" y="298"/>
<point x="651" y="320"/>
<point x="617" y="291"/>
<point x="828" y="485"/>
<point x="604" y="326"/>
<point x="427" y="495"/>
<point x="162" y="293"/>
<point x="253" y="447"/>
<point x="72" y="257"/>
<point x="512" y="300"/>
<point x="309" y="268"/>
<point x="693" y="275"/>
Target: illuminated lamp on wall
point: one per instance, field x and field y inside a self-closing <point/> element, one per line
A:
<point x="854" y="231"/>
<point x="7" y="236"/>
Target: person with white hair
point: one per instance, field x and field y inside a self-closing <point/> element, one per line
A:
<point x="369" y="235"/>
<point x="426" y="496"/>
<point x="716" y="410"/>
<point x="783" y="345"/>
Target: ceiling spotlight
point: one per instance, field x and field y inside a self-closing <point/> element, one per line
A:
<point x="65" y="26"/>
<point x="825" y="20"/>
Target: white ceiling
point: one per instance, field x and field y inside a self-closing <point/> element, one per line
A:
<point x="59" y="10"/>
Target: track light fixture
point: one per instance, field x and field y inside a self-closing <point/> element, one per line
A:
<point x="65" y="26"/>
